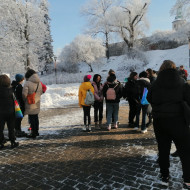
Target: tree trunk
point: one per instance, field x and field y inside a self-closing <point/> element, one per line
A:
<point x="107" y="46"/>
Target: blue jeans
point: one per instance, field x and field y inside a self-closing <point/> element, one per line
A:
<point x="144" y="113"/>
<point x="112" y="108"/>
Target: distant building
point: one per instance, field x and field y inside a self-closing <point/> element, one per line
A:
<point x="179" y="20"/>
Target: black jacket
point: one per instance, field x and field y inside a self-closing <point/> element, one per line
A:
<point x="118" y="90"/>
<point x="141" y="84"/>
<point x="167" y="93"/>
<point x="17" y="89"/>
<point x="6" y="101"/>
<point x="130" y="90"/>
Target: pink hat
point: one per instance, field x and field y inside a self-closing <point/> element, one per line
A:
<point x="87" y="78"/>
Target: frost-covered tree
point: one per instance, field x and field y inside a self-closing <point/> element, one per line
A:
<point x="46" y="51"/>
<point x="97" y="14"/>
<point x="181" y="7"/>
<point x="22" y="32"/>
<point x="129" y="20"/>
<point x="83" y="49"/>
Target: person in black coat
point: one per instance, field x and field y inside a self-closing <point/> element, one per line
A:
<point x="142" y="83"/>
<point x="17" y="89"/>
<point x="112" y="105"/>
<point x="166" y="96"/>
<point x="7" y="112"/>
<point x="130" y="92"/>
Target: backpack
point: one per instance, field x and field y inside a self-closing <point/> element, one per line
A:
<point x="89" y="100"/>
<point x="144" y="101"/>
<point x="186" y="74"/>
<point x="111" y="94"/>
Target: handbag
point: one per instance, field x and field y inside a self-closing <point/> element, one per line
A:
<point x="144" y="101"/>
<point x="18" y="112"/>
<point x="31" y="97"/>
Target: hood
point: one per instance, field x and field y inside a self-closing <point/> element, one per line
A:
<point x="146" y="79"/>
<point x="169" y="78"/>
<point x="14" y="83"/>
<point x="86" y="85"/>
<point x="5" y="92"/>
<point x="34" y="78"/>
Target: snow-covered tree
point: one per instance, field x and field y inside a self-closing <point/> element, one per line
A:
<point x="46" y="51"/>
<point x="97" y="13"/>
<point x="129" y="20"/>
<point x="22" y="32"/>
<point x="83" y="49"/>
<point x="182" y="8"/>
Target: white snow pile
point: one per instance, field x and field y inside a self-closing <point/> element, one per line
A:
<point x="60" y="95"/>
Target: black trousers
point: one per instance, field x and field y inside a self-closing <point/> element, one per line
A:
<point x="132" y="110"/>
<point x="98" y="107"/>
<point x="86" y="111"/>
<point x="34" y="123"/>
<point x="10" y="120"/>
<point x="168" y="130"/>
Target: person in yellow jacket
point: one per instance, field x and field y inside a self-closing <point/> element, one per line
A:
<point x="84" y="87"/>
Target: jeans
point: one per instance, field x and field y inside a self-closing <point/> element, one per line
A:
<point x="112" y="108"/>
<point x="86" y="111"/>
<point x="144" y="113"/>
<point x="98" y="107"/>
<point x="34" y="122"/>
<point x="168" y="130"/>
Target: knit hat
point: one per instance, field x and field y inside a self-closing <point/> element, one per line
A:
<point x="87" y="78"/>
<point x="19" y="77"/>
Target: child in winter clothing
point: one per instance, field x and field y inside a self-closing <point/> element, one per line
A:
<point x="98" y="104"/>
<point x="7" y="111"/>
<point x="17" y="89"/>
<point x="112" y="92"/>
<point x="84" y="87"/>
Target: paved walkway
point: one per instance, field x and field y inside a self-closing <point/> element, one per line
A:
<point x="98" y="160"/>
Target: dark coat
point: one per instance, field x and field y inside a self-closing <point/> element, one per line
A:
<point x="130" y="90"/>
<point x="6" y="101"/>
<point x="118" y="90"/>
<point x="152" y="79"/>
<point x="141" y="84"/>
<point x="17" y="89"/>
<point x="167" y="93"/>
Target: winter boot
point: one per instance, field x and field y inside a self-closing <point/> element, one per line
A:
<point x="97" y="126"/>
<point x="89" y="128"/>
<point x="84" y="128"/>
<point x="109" y="127"/>
<point x="1" y="145"/>
<point x="14" y="144"/>
<point x="100" y="125"/>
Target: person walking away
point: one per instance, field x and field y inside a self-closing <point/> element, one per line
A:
<point x="98" y="103"/>
<point x="112" y="92"/>
<point x="130" y="93"/>
<point x="84" y="87"/>
<point x="17" y="89"/>
<point x="142" y="83"/>
<point x="166" y="96"/>
<point x="7" y="111"/>
<point x="32" y="85"/>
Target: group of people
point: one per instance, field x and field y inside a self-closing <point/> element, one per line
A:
<point x="166" y="92"/>
<point x="167" y="89"/>
<point x="15" y="90"/>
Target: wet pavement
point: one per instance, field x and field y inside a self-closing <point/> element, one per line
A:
<point x="99" y="160"/>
